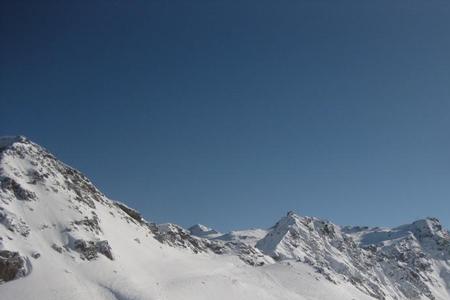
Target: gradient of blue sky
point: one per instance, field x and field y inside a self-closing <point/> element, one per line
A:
<point x="231" y="113"/>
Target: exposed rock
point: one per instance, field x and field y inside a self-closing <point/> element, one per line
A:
<point x="248" y="254"/>
<point x="104" y="248"/>
<point x="46" y="166"/>
<point x="13" y="223"/>
<point x="57" y="248"/>
<point x="90" y="224"/>
<point x="134" y="214"/>
<point x="36" y="177"/>
<point x="177" y="236"/>
<point x="89" y="249"/>
<point x="12" y="265"/>
<point x="377" y="261"/>
<point x="10" y="185"/>
<point x="85" y="192"/>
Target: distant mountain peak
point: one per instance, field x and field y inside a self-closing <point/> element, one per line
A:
<point x="428" y="226"/>
<point x="203" y="231"/>
<point x="200" y="228"/>
<point x="291" y="213"/>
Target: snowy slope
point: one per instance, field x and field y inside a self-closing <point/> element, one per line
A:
<point x="61" y="238"/>
<point x="248" y="236"/>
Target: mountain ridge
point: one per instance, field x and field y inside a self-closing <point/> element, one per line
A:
<point x="53" y="220"/>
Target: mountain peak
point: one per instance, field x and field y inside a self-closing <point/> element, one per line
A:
<point x="7" y="141"/>
<point x="433" y="223"/>
<point x="23" y="148"/>
<point x="203" y="231"/>
<point x="291" y="213"/>
<point x="199" y="228"/>
<point x="427" y="228"/>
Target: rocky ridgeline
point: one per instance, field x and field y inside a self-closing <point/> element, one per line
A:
<point x="202" y="231"/>
<point x="406" y="262"/>
<point x="43" y="169"/>
<point x="177" y="236"/>
<point x="25" y="164"/>
<point x="380" y="262"/>
<point x="322" y="245"/>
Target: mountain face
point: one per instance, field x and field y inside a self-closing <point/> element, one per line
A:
<point x="202" y="231"/>
<point x="410" y="261"/>
<point x="61" y="238"/>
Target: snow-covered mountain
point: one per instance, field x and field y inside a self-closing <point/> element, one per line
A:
<point x="203" y="231"/>
<point x="61" y="238"/>
<point x="411" y="261"/>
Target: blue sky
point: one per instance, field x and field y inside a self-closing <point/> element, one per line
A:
<point x="230" y="113"/>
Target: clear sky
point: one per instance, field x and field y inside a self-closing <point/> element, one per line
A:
<point x="230" y="113"/>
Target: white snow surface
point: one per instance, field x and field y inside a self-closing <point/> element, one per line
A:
<point x="247" y="236"/>
<point x="78" y="244"/>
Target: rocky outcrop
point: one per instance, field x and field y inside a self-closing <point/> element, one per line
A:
<point x="13" y="223"/>
<point x="248" y="254"/>
<point x="12" y="265"/>
<point x="132" y="213"/>
<point x="89" y="224"/>
<point x="45" y="168"/>
<point x="90" y="249"/>
<point x="10" y="185"/>
<point x="177" y="236"/>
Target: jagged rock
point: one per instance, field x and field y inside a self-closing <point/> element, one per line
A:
<point x="377" y="261"/>
<point x="322" y="245"/>
<point x="36" y="177"/>
<point x="57" y="248"/>
<point x="84" y="191"/>
<point x="134" y="214"/>
<point x="104" y="248"/>
<point x="248" y="254"/>
<point x="81" y="186"/>
<point x="13" y="223"/>
<point x="90" y="224"/>
<point x="176" y="236"/>
<point x="90" y="249"/>
<point x="12" y="265"/>
<point x="10" y="185"/>
<point x="79" y="195"/>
